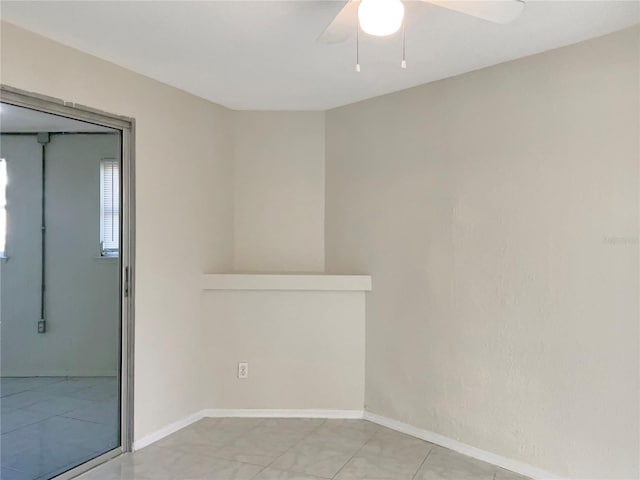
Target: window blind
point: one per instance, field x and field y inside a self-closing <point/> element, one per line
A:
<point x="109" y="207"/>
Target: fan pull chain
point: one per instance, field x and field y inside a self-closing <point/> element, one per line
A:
<point x="403" y="64"/>
<point x="357" y="46"/>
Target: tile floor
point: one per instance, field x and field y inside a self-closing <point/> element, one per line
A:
<point x="51" y="424"/>
<point x="293" y="449"/>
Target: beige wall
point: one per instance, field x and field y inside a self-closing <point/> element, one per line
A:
<point x="497" y="213"/>
<point x="305" y="349"/>
<point x="184" y="207"/>
<point x="279" y="191"/>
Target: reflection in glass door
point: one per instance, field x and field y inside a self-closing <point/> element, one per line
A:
<point x="60" y="293"/>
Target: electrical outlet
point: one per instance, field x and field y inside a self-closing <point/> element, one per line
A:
<point x="243" y="370"/>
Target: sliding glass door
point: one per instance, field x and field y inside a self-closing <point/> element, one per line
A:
<point x="63" y="335"/>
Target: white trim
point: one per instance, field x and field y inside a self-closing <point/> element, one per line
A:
<point x="232" y="281"/>
<point x="241" y="413"/>
<point x="273" y="413"/>
<point x="167" y="430"/>
<point x="457" y="446"/>
<point x="432" y="437"/>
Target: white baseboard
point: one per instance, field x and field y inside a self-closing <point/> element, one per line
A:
<point x="166" y="431"/>
<point x="473" y="452"/>
<point x="241" y="413"/>
<point x="273" y="413"/>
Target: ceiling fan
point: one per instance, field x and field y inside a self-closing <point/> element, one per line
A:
<point x="385" y="17"/>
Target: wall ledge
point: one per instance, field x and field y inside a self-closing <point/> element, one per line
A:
<point x="308" y="282"/>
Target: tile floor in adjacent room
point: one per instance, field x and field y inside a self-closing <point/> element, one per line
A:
<point x="293" y="449"/>
<point x="51" y="424"/>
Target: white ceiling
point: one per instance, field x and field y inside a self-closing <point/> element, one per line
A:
<point x="21" y="120"/>
<point x="263" y="55"/>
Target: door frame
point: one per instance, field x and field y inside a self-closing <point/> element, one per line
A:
<point x="126" y="260"/>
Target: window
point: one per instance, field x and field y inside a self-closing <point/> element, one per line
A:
<point x="3" y="205"/>
<point x="109" y="207"/>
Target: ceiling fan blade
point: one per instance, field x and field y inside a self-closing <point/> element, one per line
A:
<point x="343" y="25"/>
<point x="497" y="11"/>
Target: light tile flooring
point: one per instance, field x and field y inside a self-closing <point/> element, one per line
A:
<point x="51" y="424"/>
<point x="293" y="449"/>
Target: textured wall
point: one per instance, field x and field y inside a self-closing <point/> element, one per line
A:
<point x="497" y="213"/>
<point x="279" y="191"/>
<point x="305" y="349"/>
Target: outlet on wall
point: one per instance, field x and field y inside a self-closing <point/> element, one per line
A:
<point x="243" y="370"/>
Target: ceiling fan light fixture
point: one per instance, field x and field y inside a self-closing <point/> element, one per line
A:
<point x="380" y="17"/>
